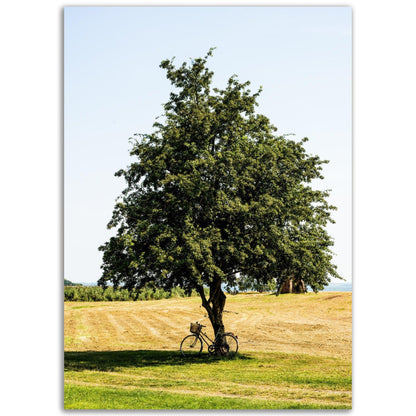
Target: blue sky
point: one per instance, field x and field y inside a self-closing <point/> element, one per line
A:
<point x="113" y="88"/>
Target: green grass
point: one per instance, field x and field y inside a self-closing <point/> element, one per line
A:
<point x="110" y="398"/>
<point x="147" y="379"/>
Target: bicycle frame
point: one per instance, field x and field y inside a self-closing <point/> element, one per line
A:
<point x="204" y="337"/>
<point x="216" y="346"/>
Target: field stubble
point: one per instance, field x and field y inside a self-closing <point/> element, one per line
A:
<point x="316" y="324"/>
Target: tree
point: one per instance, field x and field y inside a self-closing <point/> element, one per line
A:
<point x="213" y="193"/>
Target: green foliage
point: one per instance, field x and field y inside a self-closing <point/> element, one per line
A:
<point x="99" y="294"/>
<point x="245" y="283"/>
<point x="214" y="192"/>
<point x="69" y="283"/>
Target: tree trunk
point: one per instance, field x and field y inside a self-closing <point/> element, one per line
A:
<point x="214" y="306"/>
<point x="218" y="303"/>
<point x="291" y="285"/>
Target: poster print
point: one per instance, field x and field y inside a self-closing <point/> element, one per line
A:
<point x="207" y="207"/>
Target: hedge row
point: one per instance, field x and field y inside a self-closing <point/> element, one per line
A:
<point x="96" y="293"/>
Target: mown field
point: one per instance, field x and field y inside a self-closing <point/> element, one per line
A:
<point x="295" y="352"/>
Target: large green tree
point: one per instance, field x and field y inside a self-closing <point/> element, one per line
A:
<point x="213" y="193"/>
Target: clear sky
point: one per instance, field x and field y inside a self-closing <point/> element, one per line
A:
<point x="113" y="88"/>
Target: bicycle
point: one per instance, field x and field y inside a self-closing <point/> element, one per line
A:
<point x="192" y="344"/>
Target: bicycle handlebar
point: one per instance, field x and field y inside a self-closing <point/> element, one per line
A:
<point x="204" y="326"/>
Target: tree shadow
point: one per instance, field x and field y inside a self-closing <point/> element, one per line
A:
<point x="111" y="360"/>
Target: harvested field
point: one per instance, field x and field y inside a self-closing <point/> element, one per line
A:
<point x="318" y="324"/>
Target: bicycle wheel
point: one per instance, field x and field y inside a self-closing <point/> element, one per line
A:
<point x="229" y="345"/>
<point x="191" y="345"/>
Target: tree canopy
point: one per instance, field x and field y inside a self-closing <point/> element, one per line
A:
<point x="214" y="193"/>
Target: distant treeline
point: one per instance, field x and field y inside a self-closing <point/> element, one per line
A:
<point x="96" y="294"/>
<point x="69" y="283"/>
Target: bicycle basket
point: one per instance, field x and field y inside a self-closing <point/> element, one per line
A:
<point x="195" y="328"/>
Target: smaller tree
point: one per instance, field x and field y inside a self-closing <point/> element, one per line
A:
<point x="245" y="283"/>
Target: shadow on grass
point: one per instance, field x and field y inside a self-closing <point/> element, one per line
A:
<point x="110" y="360"/>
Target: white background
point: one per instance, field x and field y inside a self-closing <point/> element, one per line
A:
<point x="31" y="249"/>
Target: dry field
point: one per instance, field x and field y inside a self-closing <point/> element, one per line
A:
<point x="315" y="324"/>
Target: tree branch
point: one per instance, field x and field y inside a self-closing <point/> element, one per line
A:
<point x="200" y="290"/>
